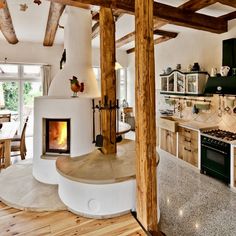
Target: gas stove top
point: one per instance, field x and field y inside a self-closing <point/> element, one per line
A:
<point x="221" y="134"/>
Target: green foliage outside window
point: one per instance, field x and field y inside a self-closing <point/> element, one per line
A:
<point x="11" y="95"/>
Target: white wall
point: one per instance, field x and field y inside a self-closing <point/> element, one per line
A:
<point x="26" y="52"/>
<point x="190" y="46"/>
<point x="121" y="57"/>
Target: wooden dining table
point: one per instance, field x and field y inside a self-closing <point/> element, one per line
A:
<point x="7" y="132"/>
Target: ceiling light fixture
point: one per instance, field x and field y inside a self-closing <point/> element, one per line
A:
<point x="118" y="66"/>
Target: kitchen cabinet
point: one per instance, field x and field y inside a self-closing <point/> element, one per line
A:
<point x="186" y="83"/>
<point x="188" y="145"/>
<point x="173" y="82"/>
<point x="195" y="82"/>
<point x="168" y="141"/>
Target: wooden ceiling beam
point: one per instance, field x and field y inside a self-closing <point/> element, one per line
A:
<point x="54" y="15"/>
<point x="6" y="24"/>
<point x="126" y="39"/>
<point x="195" y="5"/>
<point x="231" y="3"/>
<point x="164" y="12"/>
<point x="156" y="41"/>
<point x="229" y="16"/>
<point x="131" y="36"/>
<point x="95" y="30"/>
<point x="191" y="6"/>
<point x="95" y="16"/>
<point x="165" y="33"/>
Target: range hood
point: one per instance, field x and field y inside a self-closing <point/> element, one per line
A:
<point x="224" y="84"/>
<point x="221" y="85"/>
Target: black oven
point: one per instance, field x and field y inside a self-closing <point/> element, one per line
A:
<point x="215" y="158"/>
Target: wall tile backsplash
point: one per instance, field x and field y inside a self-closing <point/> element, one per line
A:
<point x="215" y="115"/>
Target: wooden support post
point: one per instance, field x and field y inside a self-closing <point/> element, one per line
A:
<point x="108" y="79"/>
<point x="145" y="117"/>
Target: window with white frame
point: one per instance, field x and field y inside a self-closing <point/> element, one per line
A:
<point x="19" y="84"/>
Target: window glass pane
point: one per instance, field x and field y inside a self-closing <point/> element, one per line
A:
<point x="123" y="85"/>
<point x="31" y="70"/>
<point x="98" y="76"/>
<point x="30" y="91"/>
<point x="10" y="104"/>
<point x="8" y="70"/>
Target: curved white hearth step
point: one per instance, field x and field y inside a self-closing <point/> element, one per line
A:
<point x="97" y="185"/>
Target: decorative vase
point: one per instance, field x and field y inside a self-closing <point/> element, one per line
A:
<point x="196" y="67"/>
<point x="178" y="67"/>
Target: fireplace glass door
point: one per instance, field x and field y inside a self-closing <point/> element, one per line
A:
<point x="58" y="136"/>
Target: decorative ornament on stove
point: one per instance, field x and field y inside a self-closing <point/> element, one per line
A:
<point x="76" y="86"/>
<point x="37" y="2"/>
<point x="23" y="7"/>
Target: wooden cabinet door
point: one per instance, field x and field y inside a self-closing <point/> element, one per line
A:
<point x="168" y="141"/>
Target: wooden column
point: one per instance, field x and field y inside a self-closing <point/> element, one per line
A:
<point x="108" y="79"/>
<point x="145" y="116"/>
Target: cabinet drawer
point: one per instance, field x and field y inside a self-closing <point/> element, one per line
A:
<point x="189" y="155"/>
<point x="188" y="133"/>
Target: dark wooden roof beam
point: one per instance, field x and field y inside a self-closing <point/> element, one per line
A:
<point x="164" y="12"/>
<point x="231" y="3"/>
<point x="195" y="5"/>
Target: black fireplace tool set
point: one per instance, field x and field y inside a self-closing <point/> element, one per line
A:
<point x="98" y="140"/>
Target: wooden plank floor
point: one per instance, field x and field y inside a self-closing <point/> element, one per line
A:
<point x="17" y="222"/>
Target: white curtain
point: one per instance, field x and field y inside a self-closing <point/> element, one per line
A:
<point x="47" y="78"/>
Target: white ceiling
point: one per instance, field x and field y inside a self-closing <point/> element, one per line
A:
<point x="30" y="25"/>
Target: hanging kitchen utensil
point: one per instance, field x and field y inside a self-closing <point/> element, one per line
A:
<point x="195" y="109"/>
<point x="219" y="108"/>
<point x="99" y="137"/>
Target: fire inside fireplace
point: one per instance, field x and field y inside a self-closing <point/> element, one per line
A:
<point x="58" y="136"/>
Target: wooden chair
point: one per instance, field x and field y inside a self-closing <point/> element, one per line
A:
<point x="18" y="143"/>
<point x="2" y="158"/>
<point x="5" y="117"/>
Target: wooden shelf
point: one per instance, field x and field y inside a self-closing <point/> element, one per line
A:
<point x="187" y="95"/>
